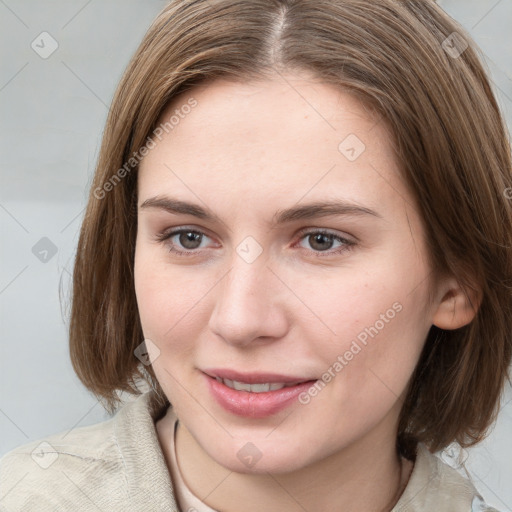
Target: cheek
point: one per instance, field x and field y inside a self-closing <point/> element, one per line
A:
<point x="152" y="291"/>
<point x="166" y="309"/>
<point x="377" y="328"/>
<point x="167" y="299"/>
<point x="377" y="363"/>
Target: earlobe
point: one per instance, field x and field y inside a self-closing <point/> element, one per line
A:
<point x="456" y="308"/>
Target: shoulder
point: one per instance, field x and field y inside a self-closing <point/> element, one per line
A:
<point x="434" y="485"/>
<point x="36" y="475"/>
<point x="80" y="469"/>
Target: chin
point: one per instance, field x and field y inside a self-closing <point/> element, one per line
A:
<point x="259" y="457"/>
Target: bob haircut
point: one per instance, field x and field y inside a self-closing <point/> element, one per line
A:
<point x="450" y="139"/>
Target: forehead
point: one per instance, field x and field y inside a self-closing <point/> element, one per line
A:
<point x="291" y="107"/>
<point x="292" y="134"/>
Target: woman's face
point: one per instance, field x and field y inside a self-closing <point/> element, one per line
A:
<point x="265" y="168"/>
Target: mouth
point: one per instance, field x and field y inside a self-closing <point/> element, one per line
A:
<point x="227" y="374"/>
<point x="255" y="388"/>
<point x="255" y="395"/>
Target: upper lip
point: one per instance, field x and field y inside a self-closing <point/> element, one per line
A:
<point x="254" y="377"/>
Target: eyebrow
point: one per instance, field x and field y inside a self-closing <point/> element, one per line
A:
<point x="306" y="211"/>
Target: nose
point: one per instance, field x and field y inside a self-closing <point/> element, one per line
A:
<point x="249" y="304"/>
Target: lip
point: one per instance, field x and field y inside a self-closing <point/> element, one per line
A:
<point x="255" y="405"/>
<point x="254" y="377"/>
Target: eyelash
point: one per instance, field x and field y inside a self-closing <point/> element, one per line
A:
<point x="164" y="236"/>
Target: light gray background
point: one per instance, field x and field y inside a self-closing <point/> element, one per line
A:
<point x="53" y="111"/>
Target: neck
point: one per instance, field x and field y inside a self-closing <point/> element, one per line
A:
<point x="359" y="477"/>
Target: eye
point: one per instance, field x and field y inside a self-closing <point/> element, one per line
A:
<point x="321" y="241"/>
<point x="189" y="239"/>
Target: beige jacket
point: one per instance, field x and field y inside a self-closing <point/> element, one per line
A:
<point x="118" y="466"/>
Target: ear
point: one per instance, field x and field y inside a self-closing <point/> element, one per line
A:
<point x="455" y="309"/>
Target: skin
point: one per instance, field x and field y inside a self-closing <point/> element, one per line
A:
<point x="245" y="152"/>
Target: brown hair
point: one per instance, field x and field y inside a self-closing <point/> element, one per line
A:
<point x="450" y="139"/>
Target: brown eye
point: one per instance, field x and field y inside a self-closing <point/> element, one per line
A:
<point x="183" y="238"/>
<point x="189" y="239"/>
<point x="322" y="241"/>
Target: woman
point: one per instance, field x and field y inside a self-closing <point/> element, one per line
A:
<point x="299" y="235"/>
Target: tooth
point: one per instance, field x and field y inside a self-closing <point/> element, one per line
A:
<point x="241" y="386"/>
<point x="259" y="388"/>
<point x="252" y="388"/>
<point x="255" y="388"/>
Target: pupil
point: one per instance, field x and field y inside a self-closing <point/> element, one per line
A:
<point x="190" y="237"/>
<point x="319" y="238"/>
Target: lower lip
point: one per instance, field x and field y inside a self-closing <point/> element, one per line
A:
<point x="255" y="405"/>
